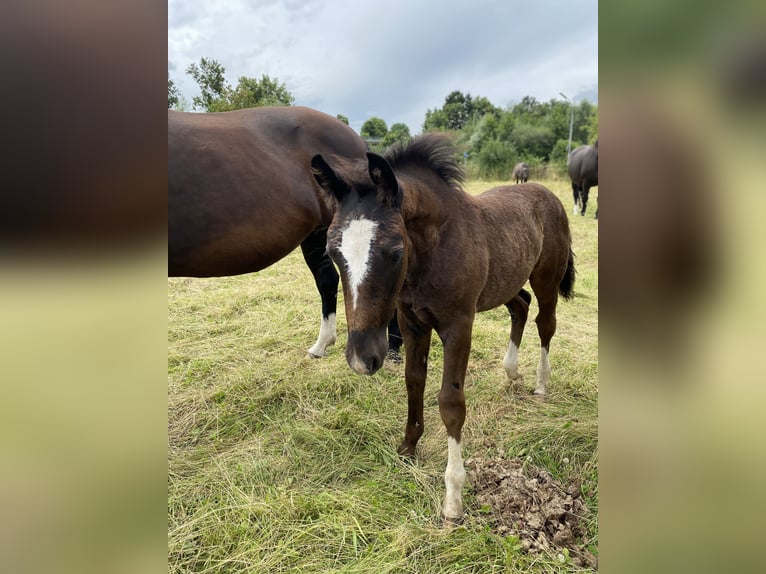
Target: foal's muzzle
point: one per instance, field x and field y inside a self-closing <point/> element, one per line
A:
<point x="366" y="350"/>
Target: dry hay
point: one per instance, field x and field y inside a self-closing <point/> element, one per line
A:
<point x="527" y="502"/>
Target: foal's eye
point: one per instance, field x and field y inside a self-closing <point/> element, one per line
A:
<point x="396" y="255"/>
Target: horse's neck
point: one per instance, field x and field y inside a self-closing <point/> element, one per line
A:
<point x="425" y="213"/>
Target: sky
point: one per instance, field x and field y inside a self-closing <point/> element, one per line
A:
<point x="393" y="59"/>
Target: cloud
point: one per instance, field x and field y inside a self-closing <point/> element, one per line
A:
<point x="396" y="59"/>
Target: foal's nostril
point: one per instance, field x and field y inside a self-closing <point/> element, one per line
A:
<point x="374" y="364"/>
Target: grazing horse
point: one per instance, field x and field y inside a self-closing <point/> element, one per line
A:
<point x="583" y="171"/>
<point x="406" y="235"/>
<point x="521" y="172"/>
<point x="241" y="196"/>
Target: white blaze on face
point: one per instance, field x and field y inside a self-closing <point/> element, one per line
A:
<point x="355" y="243"/>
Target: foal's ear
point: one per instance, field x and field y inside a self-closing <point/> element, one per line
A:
<point x="383" y="177"/>
<point x="326" y="178"/>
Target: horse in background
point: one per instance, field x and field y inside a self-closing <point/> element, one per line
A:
<point x="241" y="195"/>
<point x="406" y="237"/>
<point x="520" y="172"/>
<point x="583" y="171"/>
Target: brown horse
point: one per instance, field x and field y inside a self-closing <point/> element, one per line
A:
<point x="240" y="195"/>
<point x="405" y="234"/>
<point x="520" y="172"/>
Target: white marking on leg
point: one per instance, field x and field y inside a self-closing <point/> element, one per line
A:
<point x="327" y="336"/>
<point x="355" y="245"/>
<point x="454" y="479"/>
<point x="543" y="373"/>
<point x="511" y="362"/>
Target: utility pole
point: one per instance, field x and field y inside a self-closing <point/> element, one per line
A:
<point x="571" y="124"/>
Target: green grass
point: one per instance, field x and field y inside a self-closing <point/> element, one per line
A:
<point x="281" y="463"/>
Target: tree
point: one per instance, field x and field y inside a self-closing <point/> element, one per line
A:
<point x="209" y="76"/>
<point x="342" y="118"/>
<point x="496" y="159"/>
<point x="374" y="128"/>
<point x="436" y="121"/>
<point x="398" y="133"/>
<point x="253" y="93"/>
<point x="173" y="93"/>
<point x="459" y="109"/>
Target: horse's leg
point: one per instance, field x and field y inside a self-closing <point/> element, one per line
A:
<point x="585" y="189"/>
<point x="576" y="195"/>
<point x="314" y="249"/>
<point x="518" y="307"/>
<point x="456" y="339"/>
<point x="547" y="298"/>
<point x="417" y="343"/>
<point x="394" y="341"/>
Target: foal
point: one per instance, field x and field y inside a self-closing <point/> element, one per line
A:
<point x="405" y="236"/>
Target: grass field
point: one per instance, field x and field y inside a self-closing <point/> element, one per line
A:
<point x="281" y="463"/>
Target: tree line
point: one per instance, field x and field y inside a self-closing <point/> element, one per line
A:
<point x="490" y="139"/>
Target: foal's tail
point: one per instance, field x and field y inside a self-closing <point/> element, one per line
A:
<point x="566" y="287"/>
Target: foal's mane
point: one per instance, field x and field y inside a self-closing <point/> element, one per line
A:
<point x="431" y="151"/>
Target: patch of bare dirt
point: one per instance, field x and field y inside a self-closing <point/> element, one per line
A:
<point x="528" y="503"/>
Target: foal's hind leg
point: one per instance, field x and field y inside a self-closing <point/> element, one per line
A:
<point x="518" y="307"/>
<point x="546" y="327"/>
<point x="326" y="278"/>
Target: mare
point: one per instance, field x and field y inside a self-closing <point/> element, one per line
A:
<point x="583" y="171"/>
<point x="241" y="195"/>
<point x="406" y="235"/>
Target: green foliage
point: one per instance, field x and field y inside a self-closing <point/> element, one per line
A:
<point x="173" y="93"/>
<point x="398" y="133"/>
<point x="436" y="121"/>
<point x="374" y="128"/>
<point x="342" y="118"/>
<point x="253" y="93"/>
<point x="533" y="130"/>
<point x="458" y="110"/>
<point x="592" y="128"/>
<point x="559" y="151"/>
<point x="218" y="96"/>
<point x="496" y="159"/>
<point x="210" y="78"/>
<point x="533" y="139"/>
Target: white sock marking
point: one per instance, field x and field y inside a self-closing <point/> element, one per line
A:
<point x="543" y="373"/>
<point x="511" y="361"/>
<point x="355" y="247"/>
<point x="327" y="336"/>
<point x="454" y="479"/>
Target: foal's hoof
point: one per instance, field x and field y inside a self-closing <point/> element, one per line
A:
<point x="311" y="355"/>
<point x="406" y="451"/>
<point x="448" y="522"/>
<point x="394" y="357"/>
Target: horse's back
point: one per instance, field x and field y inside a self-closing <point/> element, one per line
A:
<point x="583" y="165"/>
<point x="240" y="191"/>
<point x="526" y="228"/>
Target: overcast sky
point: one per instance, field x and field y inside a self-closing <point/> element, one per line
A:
<point x="393" y="59"/>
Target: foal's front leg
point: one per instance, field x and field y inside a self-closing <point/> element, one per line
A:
<point x="457" y="347"/>
<point x="417" y="344"/>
